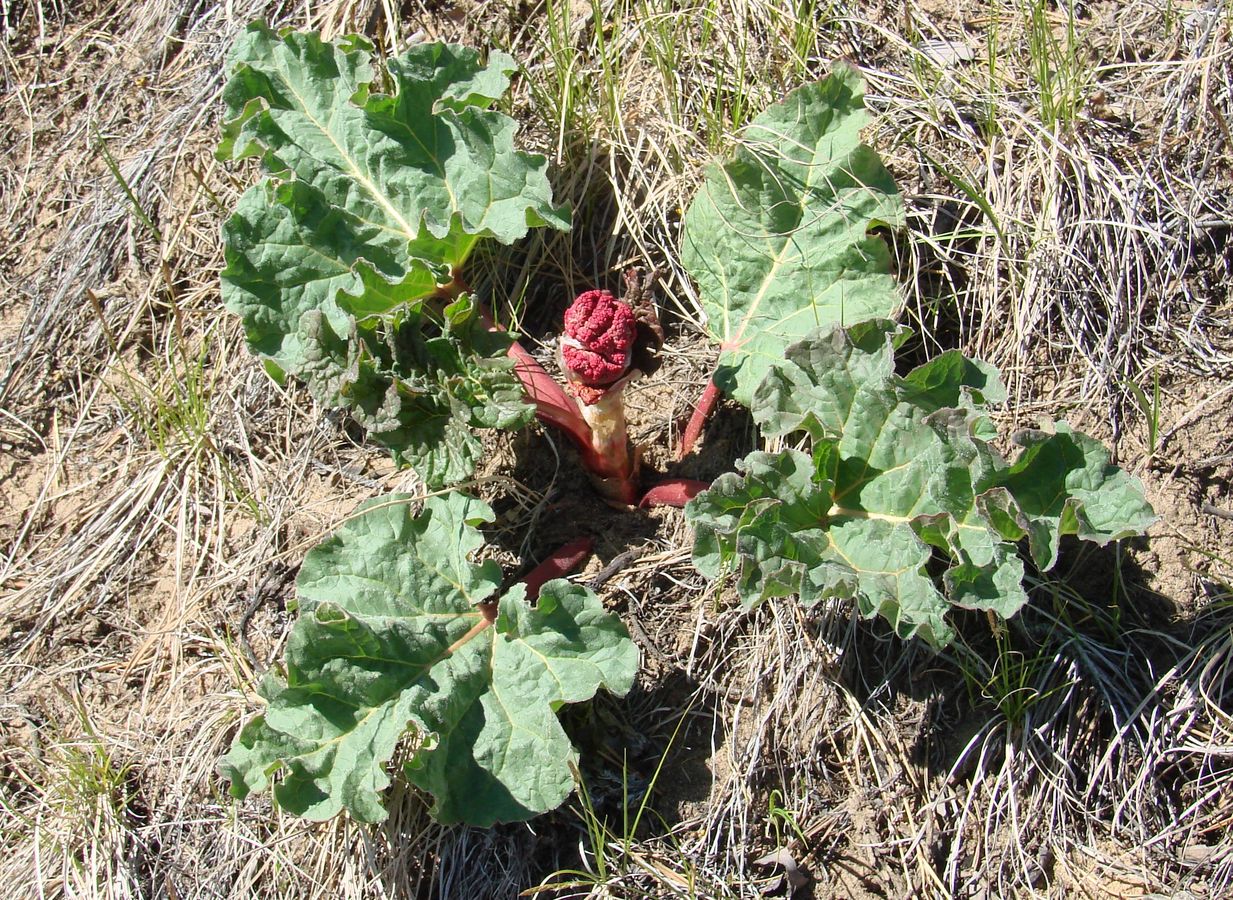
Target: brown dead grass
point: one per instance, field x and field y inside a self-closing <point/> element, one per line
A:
<point x="152" y="479"/>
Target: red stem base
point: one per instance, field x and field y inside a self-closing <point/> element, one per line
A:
<point x="563" y="561"/>
<point x="675" y="492"/>
<point x="558" y="565"/>
<point x="616" y="481"/>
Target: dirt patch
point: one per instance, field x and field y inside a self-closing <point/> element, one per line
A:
<point x="22" y="481"/>
<point x="12" y="319"/>
<point x="1105" y="873"/>
<point x="1190" y="484"/>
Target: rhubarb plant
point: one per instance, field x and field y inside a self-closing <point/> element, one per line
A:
<point x="347" y="265"/>
<point x="345" y="261"/>
<point x="778" y="238"/>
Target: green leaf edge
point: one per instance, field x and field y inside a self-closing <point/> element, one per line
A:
<point x="973" y="384"/>
<point x="260" y="753"/>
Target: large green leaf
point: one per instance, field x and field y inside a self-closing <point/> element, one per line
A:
<point x="778" y="238"/>
<point x="373" y="203"/>
<point x="424" y="164"/>
<point x="392" y="641"/>
<point x="900" y="475"/>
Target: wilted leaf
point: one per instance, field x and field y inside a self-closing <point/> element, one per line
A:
<point x="796" y="877"/>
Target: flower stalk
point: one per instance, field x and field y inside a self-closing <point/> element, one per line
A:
<point x="607" y="344"/>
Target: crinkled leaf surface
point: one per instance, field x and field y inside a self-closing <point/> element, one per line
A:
<point x="900" y="473"/>
<point x="391" y="640"/>
<point x="373" y="202"/>
<point x="778" y="238"/>
<point x="422" y="165"/>
<point x="418" y="393"/>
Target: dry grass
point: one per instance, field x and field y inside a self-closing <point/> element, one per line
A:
<point x="1069" y="222"/>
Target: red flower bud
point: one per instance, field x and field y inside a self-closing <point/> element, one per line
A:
<point x="599" y="336"/>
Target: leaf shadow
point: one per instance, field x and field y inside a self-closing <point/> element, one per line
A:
<point x="1088" y="648"/>
<point x="645" y="756"/>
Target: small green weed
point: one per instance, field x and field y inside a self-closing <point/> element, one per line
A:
<point x="1055" y="66"/>
<point x="611" y="853"/>
<point x="1149" y="407"/>
<point x="782" y="820"/>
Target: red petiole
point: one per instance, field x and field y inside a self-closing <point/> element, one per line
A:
<point x="675" y="492"/>
<point x="552" y="404"/>
<point x="702" y="412"/>
<point x="563" y="561"/>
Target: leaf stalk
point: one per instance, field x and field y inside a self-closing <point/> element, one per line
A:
<point x="702" y="412"/>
